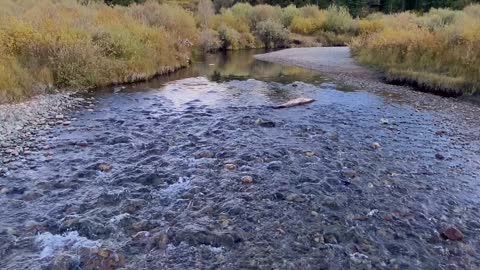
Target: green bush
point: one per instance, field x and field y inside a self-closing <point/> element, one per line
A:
<point x="272" y="34"/>
<point x="229" y="37"/>
<point x="288" y="13"/>
<point x="339" y="20"/>
<point x="209" y="40"/>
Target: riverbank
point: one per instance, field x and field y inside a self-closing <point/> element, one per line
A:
<point x="22" y="125"/>
<point x="338" y="64"/>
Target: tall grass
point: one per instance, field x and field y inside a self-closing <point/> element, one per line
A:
<point x="51" y="44"/>
<point x="46" y="44"/>
<point x="439" y="51"/>
<point x="238" y="27"/>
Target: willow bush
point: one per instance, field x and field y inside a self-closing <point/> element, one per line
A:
<point x="439" y="51"/>
<point x="48" y="44"/>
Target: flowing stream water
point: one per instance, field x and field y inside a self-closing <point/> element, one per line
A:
<point x="195" y="170"/>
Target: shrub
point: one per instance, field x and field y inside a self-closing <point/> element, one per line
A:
<point x="288" y="13"/>
<point x="439" y="51"/>
<point x="366" y="27"/>
<point x="226" y="17"/>
<point x="272" y="34"/>
<point x="262" y="13"/>
<point x="305" y="26"/>
<point x="229" y="37"/>
<point x="209" y="40"/>
<point x="339" y="20"/>
<point x="438" y="18"/>
<point x="243" y="12"/>
<point x="171" y="17"/>
<point x="65" y="44"/>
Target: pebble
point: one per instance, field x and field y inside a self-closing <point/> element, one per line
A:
<point x="349" y="173"/>
<point x="384" y="121"/>
<point x="376" y="145"/>
<point x="247" y="180"/>
<point x="439" y="156"/>
<point x="104" y="167"/>
<point x="359" y="258"/>
<point x="230" y="167"/>
<point x="264" y="123"/>
<point x="21" y="122"/>
<point x="295" y="198"/>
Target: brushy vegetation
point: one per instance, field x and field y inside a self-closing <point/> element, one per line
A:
<point x="52" y="44"/>
<point x="439" y="51"/>
<point x="247" y="26"/>
<point x="62" y="44"/>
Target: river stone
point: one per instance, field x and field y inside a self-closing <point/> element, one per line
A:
<point x="104" y="167"/>
<point x="453" y="234"/>
<point x="230" y="167"/>
<point x="101" y="258"/>
<point x="196" y="235"/>
<point x="349" y="173"/>
<point x="247" y="180"/>
<point x="295" y="198"/>
<point x="264" y="123"/>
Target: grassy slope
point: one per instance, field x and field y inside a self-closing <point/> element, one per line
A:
<point x="439" y="51"/>
<point x="61" y="44"/>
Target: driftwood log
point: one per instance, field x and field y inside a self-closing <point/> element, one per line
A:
<point x="294" y="102"/>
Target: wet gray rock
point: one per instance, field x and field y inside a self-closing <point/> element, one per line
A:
<point x="295" y="198"/>
<point x="265" y="123"/>
<point x="132" y="206"/>
<point x="199" y="235"/>
<point x="247" y="180"/>
<point x="350" y="174"/>
<point x="119" y="140"/>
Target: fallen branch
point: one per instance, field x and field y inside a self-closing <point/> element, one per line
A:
<point x="294" y="102"/>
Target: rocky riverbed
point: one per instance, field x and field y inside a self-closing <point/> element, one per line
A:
<point x="202" y="173"/>
<point x="22" y="124"/>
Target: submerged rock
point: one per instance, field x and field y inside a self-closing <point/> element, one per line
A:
<point x="104" y="167"/>
<point x="453" y="234"/>
<point x="198" y="235"/>
<point x="230" y="167"/>
<point x="295" y="198"/>
<point x="247" y="180"/>
<point x="264" y="123"/>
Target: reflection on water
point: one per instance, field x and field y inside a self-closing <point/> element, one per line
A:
<point x="235" y="78"/>
<point x="228" y="66"/>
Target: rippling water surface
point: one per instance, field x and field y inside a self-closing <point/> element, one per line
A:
<point x="141" y="182"/>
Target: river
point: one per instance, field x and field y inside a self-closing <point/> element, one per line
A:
<point x="195" y="170"/>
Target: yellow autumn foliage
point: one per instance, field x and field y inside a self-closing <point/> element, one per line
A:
<point x="439" y="50"/>
<point x="48" y="44"/>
